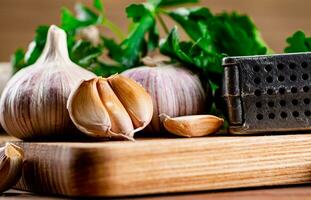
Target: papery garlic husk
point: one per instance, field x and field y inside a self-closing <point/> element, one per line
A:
<point x="193" y="125"/>
<point x="33" y="103"/>
<point x="174" y="90"/>
<point x="114" y="107"/>
<point x="11" y="163"/>
<point x="91" y="34"/>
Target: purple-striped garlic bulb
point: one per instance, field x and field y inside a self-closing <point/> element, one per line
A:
<point x="175" y="91"/>
<point x="33" y="103"/>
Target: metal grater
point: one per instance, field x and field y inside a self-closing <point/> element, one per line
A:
<point x="265" y="94"/>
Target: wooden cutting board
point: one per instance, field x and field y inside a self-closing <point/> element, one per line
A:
<point x="165" y="165"/>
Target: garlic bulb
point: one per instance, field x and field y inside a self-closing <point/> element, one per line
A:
<point x="11" y="163"/>
<point x="33" y="103"/>
<point x="174" y="90"/>
<point x="114" y="107"/>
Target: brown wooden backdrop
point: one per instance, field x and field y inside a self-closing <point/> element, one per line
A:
<point x="276" y="18"/>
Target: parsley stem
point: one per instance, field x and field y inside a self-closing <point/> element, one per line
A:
<point x="163" y="24"/>
<point x="114" y="28"/>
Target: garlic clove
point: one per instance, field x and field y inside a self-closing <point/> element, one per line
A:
<point x="87" y="111"/>
<point x="137" y="102"/>
<point x="120" y="119"/>
<point x="11" y="163"/>
<point x="192" y="125"/>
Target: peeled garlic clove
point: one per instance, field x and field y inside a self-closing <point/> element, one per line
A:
<point x="33" y="103"/>
<point x="135" y="99"/>
<point x="87" y="111"/>
<point x="11" y="163"/>
<point x="193" y="125"/>
<point x="120" y="119"/>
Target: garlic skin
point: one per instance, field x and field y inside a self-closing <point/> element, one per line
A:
<point x="33" y="103"/>
<point x="91" y="34"/>
<point x="11" y="163"/>
<point x="174" y="90"/>
<point x="192" y="125"/>
<point x="115" y="107"/>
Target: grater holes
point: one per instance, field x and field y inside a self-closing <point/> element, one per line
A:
<point x="294" y="90"/>
<point x="305" y="77"/>
<point x="256" y="68"/>
<point x="293" y="77"/>
<point x="295" y="114"/>
<point x="270" y="91"/>
<point x="282" y="103"/>
<point x="307" y="113"/>
<point x="271" y="104"/>
<point x="259" y="116"/>
<point x="280" y="66"/>
<point x="295" y="102"/>
<point x="271" y="116"/>
<point x="281" y="78"/>
<point x="269" y="79"/>
<point x="257" y="93"/>
<point x="306" y="101"/>
<point x="258" y="104"/>
<point x="306" y="89"/>
<point x="283" y="115"/>
<point x="268" y="68"/>
<point x="257" y="80"/>
<point x="282" y="90"/>
<point x="304" y="64"/>
<point x="292" y="65"/>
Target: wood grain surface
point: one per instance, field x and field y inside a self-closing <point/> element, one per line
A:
<point x="276" y="19"/>
<point x="165" y="165"/>
<point x="272" y="193"/>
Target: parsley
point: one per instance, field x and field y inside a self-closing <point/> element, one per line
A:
<point x="298" y="42"/>
<point x="211" y="37"/>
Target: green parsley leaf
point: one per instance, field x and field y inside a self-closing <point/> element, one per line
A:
<point x="192" y="20"/>
<point x="129" y="52"/>
<point x="37" y="46"/>
<point x="85" y="17"/>
<point x="193" y="56"/>
<point x="298" y="42"/>
<point x="213" y="37"/>
<point x="236" y="35"/>
<point x="163" y="3"/>
<point x="18" y="60"/>
<point x="98" y="5"/>
<point x="84" y="53"/>
<point x="232" y="34"/>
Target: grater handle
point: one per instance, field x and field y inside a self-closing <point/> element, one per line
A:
<point x="232" y="94"/>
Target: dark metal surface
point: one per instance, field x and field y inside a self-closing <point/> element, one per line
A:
<point x="268" y="93"/>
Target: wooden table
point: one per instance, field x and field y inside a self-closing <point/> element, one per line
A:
<point x="291" y="193"/>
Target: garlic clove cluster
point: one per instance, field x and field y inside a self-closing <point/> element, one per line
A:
<point x="175" y="91"/>
<point x="11" y="163"/>
<point x="113" y="107"/>
<point x="135" y="99"/>
<point x="33" y="103"/>
<point x="192" y="126"/>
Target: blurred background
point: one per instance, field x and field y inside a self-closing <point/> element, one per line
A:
<point x="277" y="19"/>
